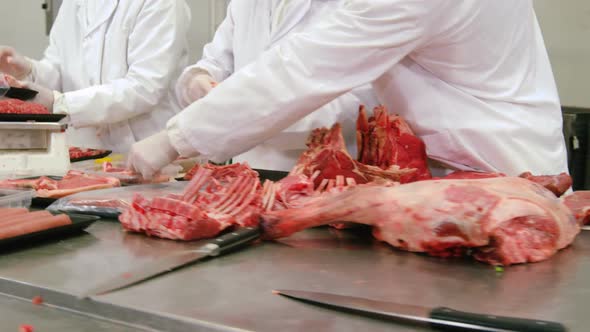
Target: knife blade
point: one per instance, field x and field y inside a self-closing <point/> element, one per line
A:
<point x="214" y="247"/>
<point x="440" y="318"/>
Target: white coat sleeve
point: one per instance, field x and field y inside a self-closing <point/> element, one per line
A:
<point x="354" y="46"/>
<point x="157" y="43"/>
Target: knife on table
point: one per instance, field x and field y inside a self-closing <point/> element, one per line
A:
<point x="441" y="318"/>
<point x="212" y="248"/>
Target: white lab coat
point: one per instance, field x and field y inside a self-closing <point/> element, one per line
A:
<point x="254" y="26"/>
<point x="116" y="61"/>
<point x="472" y="78"/>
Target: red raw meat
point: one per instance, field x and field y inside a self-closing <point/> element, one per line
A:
<point x="499" y="220"/>
<point x="223" y="171"/>
<point x="71" y="183"/>
<point x="326" y="158"/>
<point x="216" y="198"/>
<point x="557" y="184"/>
<point x="79" y="153"/>
<point x="26" y="328"/>
<point x="386" y="140"/>
<point x="128" y="177"/>
<point x="578" y="204"/>
<point x="15" y="106"/>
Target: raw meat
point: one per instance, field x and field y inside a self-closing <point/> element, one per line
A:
<point x="326" y="158"/>
<point x="216" y="198"/>
<point x="222" y="171"/>
<point x="498" y="220"/>
<point x="23" y="222"/>
<point x="34" y="224"/>
<point x="71" y="183"/>
<point x="15" y="106"/>
<point x="578" y="204"/>
<point x="386" y="140"/>
<point x="77" y="154"/>
<point x="129" y="177"/>
<point x="557" y="184"/>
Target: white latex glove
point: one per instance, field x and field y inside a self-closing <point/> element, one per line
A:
<point x="198" y="87"/>
<point x="150" y="155"/>
<point x="14" y="64"/>
<point x="45" y="96"/>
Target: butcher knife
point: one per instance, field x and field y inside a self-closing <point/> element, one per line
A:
<point x="441" y="318"/>
<point x="214" y="247"/>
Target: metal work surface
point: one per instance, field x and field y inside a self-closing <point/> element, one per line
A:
<point x="235" y="290"/>
<point x="14" y="313"/>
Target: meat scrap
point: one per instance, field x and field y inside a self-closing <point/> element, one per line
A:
<point x="497" y="220"/>
<point x="16" y="106"/>
<point x="213" y="200"/>
<point x="72" y="182"/>
<point x="26" y="328"/>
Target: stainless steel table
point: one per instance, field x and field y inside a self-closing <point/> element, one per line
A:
<point x="233" y="292"/>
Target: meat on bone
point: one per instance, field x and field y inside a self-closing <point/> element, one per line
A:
<point x="386" y="140"/>
<point x="499" y="220"/>
<point x="210" y="203"/>
<point x="327" y="154"/>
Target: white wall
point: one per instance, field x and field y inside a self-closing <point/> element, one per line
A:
<point x="22" y="23"/>
<point x="566" y="29"/>
<point x="206" y="16"/>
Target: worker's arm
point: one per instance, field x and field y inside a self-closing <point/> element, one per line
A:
<point x="357" y="44"/>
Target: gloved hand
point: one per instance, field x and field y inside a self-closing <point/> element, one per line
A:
<point x="198" y="87"/>
<point x="45" y="96"/>
<point x="14" y="64"/>
<point x="150" y="155"/>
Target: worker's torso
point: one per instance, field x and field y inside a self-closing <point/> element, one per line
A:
<point x="96" y="51"/>
<point x="261" y="25"/>
<point x="481" y="83"/>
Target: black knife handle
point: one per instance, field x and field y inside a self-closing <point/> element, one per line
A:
<point x="490" y="321"/>
<point x="235" y="238"/>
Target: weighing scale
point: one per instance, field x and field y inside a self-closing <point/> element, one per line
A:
<point x="33" y="145"/>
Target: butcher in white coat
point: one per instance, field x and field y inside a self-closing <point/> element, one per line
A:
<point x="249" y="29"/>
<point x="111" y="65"/>
<point x="472" y="78"/>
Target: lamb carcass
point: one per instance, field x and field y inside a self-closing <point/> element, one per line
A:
<point x="210" y="203"/>
<point x="499" y="220"/>
<point x="386" y="140"/>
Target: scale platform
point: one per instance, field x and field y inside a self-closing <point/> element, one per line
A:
<point x="33" y="145"/>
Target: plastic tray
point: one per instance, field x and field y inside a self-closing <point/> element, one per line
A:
<point x="16" y="197"/>
<point x="79" y="223"/>
<point x="31" y="117"/>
